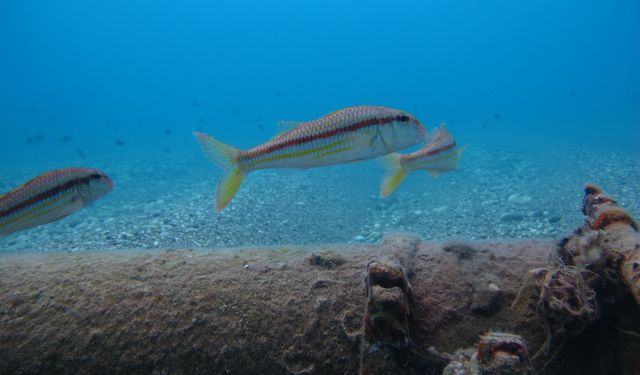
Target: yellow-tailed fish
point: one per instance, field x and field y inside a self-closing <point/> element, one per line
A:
<point x="347" y="135"/>
<point x="50" y="197"/>
<point x="441" y="154"/>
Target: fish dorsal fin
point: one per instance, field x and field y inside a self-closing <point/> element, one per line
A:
<point x="439" y="138"/>
<point x="443" y="134"/>
<point x="286" y="126"/>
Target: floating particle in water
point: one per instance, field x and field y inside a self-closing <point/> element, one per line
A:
<point x="497" y="116"/>
<point x="81" y="154"/>
<point x="235" y="111"/>
<point x="140" y="123"/>
<point x="260" y="126"/>
<point x="572" y="92"/>
<point x="195" y="103"/>
<point x="29" y="140"/>
<point x="120" y="142"/>
<point x="202" y="120"/>
<point x="65" y="139"/>
<point x="168" y="132"/>
<point x="116" y="128"/>
<point x="485" y="125"/>
<point x="167" y="151"/>
<point x="277" y="93"/>
<point x="36" y="139"/>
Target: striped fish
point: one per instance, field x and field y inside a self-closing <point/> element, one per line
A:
<point x="347" y="135"/>
<point x="50" y="197"/>
<point x="441" y="154"/>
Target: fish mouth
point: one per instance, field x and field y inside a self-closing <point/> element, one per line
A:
<point x="109" y="183"/>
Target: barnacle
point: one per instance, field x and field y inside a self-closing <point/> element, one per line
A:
<point x="631" y="273"/>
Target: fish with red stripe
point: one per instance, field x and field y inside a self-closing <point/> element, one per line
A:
<point x="441" y="154"/>
<point x="50" y="197"/>
<point x="348" y="135"/>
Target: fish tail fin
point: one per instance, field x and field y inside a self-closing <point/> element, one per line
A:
<point x="226" y="157"/>
<point x="452" y="163"/>
<point x="395" y="174"/>
<point x="459" y="152"/>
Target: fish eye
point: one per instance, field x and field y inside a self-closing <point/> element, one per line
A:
<point x="403" y="118"/>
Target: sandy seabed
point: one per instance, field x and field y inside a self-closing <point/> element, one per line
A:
<point x="167" y="200"/>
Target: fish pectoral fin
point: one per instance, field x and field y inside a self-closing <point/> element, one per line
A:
<point x="285" y="126"/>
<point x="75" y="204"/>
<point x="372" y="141"/>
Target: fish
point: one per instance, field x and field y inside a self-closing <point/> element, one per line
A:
<point x="347" y="135"/>
<point x="120" y="142"/>
<point x="441" y="154"/>
<point x="65" y="139"/>
<point x="51" y="196"/>
<point x="81" y="154"/>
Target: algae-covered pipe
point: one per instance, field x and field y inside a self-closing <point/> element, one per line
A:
<point x="251" y="311"/>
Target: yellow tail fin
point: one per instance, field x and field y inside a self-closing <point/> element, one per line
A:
<point x="225" y="156"/>
<point x="394" y="176"/>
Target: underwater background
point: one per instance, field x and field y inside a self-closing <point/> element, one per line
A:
<point x="546" y="95"/>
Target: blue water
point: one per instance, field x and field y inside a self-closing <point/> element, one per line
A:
<point x="546" y="93"/>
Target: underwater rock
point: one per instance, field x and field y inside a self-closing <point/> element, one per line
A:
<point x="520" y="199"/>
<point x="487" y="297"/>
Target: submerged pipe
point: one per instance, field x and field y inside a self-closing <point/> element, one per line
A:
<point x="402" y="306"/>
